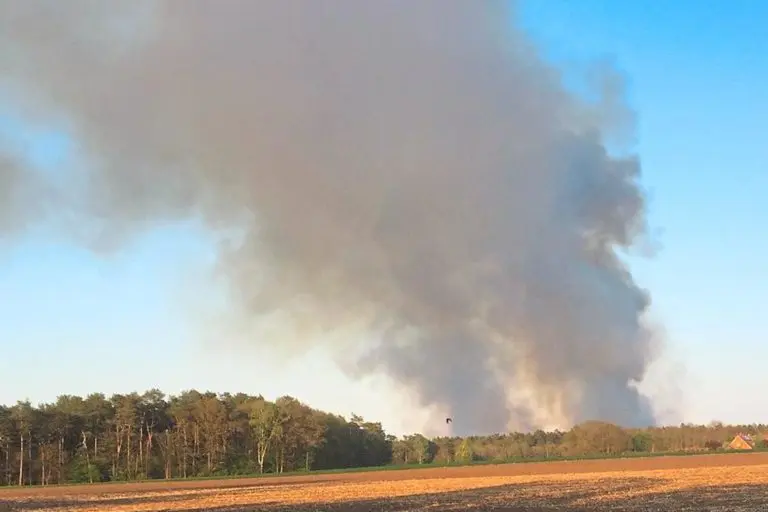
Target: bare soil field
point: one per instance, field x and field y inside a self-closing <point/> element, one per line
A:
<point x="734" y="482"/>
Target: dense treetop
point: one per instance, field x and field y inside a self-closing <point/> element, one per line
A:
<point x="194" y="434"/>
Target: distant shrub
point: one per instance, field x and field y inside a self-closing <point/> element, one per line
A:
<point x="713" y="445"/>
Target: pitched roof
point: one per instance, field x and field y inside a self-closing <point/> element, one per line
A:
<point x="742" y="439"/>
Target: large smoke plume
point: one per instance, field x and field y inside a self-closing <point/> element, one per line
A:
<point x="412" y="167"/>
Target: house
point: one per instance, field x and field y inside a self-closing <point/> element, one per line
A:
<point x="742" y="442"/>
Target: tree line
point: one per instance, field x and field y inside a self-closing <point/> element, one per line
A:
<point x="154" y="436"/>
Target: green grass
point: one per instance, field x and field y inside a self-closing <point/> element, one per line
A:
<point x="514" y="460"/>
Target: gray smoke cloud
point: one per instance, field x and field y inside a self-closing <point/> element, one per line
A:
<point x="10" y="178"/>
<point x="412" y="167"/>
<point x="24" y="196"/>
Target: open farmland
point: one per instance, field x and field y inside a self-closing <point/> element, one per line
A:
<point x="717" y="482"/>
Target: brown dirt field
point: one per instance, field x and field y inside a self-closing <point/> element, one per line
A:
<point x="734" y="482"/>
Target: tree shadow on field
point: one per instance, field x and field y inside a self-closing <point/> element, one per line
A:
<point x="730" y="497"/>
<point x="178" y="500"/>
<point x="625" y="494"/>
<point x="70" y="499"/>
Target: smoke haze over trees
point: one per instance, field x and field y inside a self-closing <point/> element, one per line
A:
<point x="150" y="435"/>
<point x="412" y="171"/>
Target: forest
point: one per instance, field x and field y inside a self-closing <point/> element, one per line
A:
<point x="154" y="436"/>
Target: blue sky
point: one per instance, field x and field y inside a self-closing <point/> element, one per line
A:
<point x="75" y="323"/>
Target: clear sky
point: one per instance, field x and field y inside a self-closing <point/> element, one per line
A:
<point x="74" y="323"/>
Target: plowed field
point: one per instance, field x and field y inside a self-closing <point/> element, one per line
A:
<point x="717" y="482"/>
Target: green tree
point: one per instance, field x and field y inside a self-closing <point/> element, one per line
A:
<point x="642" y="442"/>
<point x="23" y="416"/>
<point x="264" y="420"/>
<point x="465" y="453"/>
<point x="150" y="435"/>
<point x="597" y="437"/>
